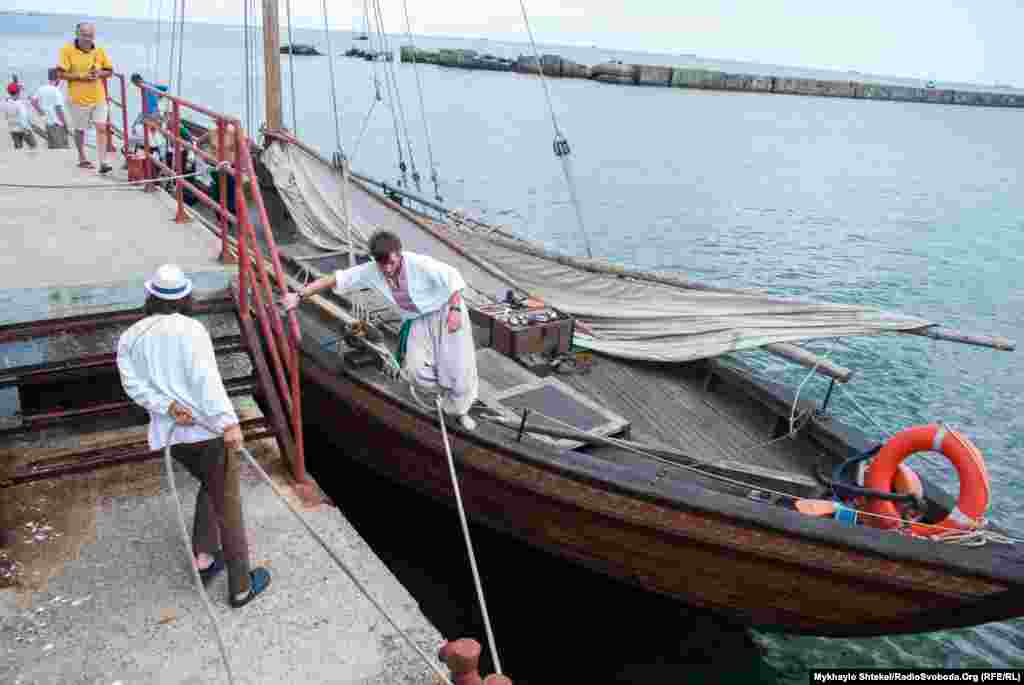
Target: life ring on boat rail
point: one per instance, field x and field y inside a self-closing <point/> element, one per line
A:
<point x="961" y="452"/>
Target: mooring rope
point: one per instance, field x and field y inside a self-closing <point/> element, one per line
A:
<point x="309" y="529"/>
<point x="105" y="186"/>
<point x="188" y="546"/>
<point x="469" y="542"/>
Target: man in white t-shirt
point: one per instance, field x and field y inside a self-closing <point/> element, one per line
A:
<point x="19" y="118"/>
<point x="49" y="102"/>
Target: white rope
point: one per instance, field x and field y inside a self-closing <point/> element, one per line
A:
<point x="246" y="64"/>
<point x="362" y="131"/>
<point x="174" y="45"/>
<point x="949" y="534"/>
<point x="344" y="567"/>
<point x="291" y="65"/>
<point x="316" y="536"/>
<point x="188" y="547"/>
<point x="561" y="143"/>
<point x="98" y="186"/>
<point x="389" y="70"/>
<point x="155" y="71"/>
<point x="334" y="87"/>
<point x="469" y="541"/>
<point x="423" y="107"/>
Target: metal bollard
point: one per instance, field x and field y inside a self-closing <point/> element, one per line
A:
<point x="462" y="657"/>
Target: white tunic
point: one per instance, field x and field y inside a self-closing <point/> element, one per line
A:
<point x="168" y="357"/>
<point x="50" y="98"/>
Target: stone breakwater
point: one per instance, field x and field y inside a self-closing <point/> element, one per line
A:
<point x="708" y="79"/>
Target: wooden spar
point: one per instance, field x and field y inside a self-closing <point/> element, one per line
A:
<point x="996" y="342"/>
<point x="810" y="360"/>
<point x="272" y="64"/>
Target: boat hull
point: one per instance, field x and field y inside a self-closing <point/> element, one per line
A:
<point x="750" y="572"/>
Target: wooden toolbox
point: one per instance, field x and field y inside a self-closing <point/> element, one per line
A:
<point x="519" y="332"/>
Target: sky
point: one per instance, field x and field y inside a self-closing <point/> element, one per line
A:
<point x="964" y="41"/>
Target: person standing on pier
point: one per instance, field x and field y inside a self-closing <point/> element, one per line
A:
<point x="168" y="367"/>
<point x="85" y="66"/>
<point x="19" y="118"/>
<point x="438" y="352"/>
<point x="49" y="102"/>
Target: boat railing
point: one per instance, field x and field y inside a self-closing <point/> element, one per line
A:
<point x="256" y="278"/>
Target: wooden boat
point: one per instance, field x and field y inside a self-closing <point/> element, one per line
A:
<point x="682" y="479"/>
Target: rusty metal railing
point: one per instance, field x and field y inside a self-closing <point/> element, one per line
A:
<point x="256" y="278"/>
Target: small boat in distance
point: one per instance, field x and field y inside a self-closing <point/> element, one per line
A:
<point x="300" y="49"/>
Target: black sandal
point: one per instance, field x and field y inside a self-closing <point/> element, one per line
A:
<point x="259" y="580"/>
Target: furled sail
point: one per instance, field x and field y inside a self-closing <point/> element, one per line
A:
<point x="622" y="313"/>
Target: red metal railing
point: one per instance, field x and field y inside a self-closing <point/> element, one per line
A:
<point x="123" y="133"/>
<point x="255" y="279"/>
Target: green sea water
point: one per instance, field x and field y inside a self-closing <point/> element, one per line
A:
<point x="910" y="207"/>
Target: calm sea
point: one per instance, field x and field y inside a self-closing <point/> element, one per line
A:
<point x="911" y="207"/>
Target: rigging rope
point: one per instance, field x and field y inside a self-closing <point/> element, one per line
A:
<point x="389" y="72"/>
<point x="378" y="27"/>
<point x="291" y="65"/>
<point x="155" y="71"/>
<point x="181" y="44"/>
<point x="423" y="107"/>
<point x="246" y="76"/>
<point x="561" y="143"/>
<point x="469" y="541"/>
<point x="334" y="86"/>
<point x="174" y="45"/>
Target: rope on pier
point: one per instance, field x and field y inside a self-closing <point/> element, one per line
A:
<point x="309" y="529"/>
<point x="122" y="185"/>
<point x="469" y="541"/>
<point x="195" y="571"/>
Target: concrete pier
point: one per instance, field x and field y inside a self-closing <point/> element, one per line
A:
<point x="709" y="79"/>
<point x="95" y="586"/>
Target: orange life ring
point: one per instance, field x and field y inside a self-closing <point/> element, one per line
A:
<point x="970" y="468"/>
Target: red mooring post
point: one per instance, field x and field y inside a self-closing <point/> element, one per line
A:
<point x="462" y="657"/>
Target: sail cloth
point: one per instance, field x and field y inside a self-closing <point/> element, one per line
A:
<point x="620" y="315"/>
<point x="319" y="216"/>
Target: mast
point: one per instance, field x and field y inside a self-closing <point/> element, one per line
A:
<point x="272" y="64"/>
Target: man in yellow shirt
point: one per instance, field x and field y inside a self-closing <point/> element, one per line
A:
<point x="85" y="66"/>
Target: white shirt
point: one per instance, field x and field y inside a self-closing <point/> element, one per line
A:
<point x="50" y="98"/>
<point x="431" y="282"/>
<point x="18" y="116"/>
<point x="168" y="357"/>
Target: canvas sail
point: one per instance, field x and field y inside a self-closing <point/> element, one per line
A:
<point x="621" y="314"/>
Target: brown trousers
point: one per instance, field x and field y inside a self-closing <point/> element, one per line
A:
<point x="218" y="521"/>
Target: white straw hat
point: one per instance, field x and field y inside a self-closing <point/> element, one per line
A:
<point x="169" y="283"/>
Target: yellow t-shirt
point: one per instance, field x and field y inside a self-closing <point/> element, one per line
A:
<point x="78" y="62"/>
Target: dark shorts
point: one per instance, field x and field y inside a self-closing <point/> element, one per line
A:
<point x="21" y="137"/>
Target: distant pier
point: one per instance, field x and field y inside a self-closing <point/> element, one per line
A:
<point x="709" y="79"/>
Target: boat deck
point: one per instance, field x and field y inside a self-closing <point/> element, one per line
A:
<point x="662" y="403"/>
<point x="96" y="586"/>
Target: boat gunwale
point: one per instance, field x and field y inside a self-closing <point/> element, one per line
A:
<point x="680" y="494"/>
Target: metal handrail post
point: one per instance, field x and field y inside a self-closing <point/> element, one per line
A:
<point x="248" y="172"/>
<point x="222" y="187"/>
<point x="181" y="217"/>
<point x="265" y="310"/>
<point x="124" y="114"/>
<point x="148" y="165"/>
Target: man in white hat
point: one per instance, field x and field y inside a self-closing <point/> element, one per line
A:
<point x="168" y="366"/>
